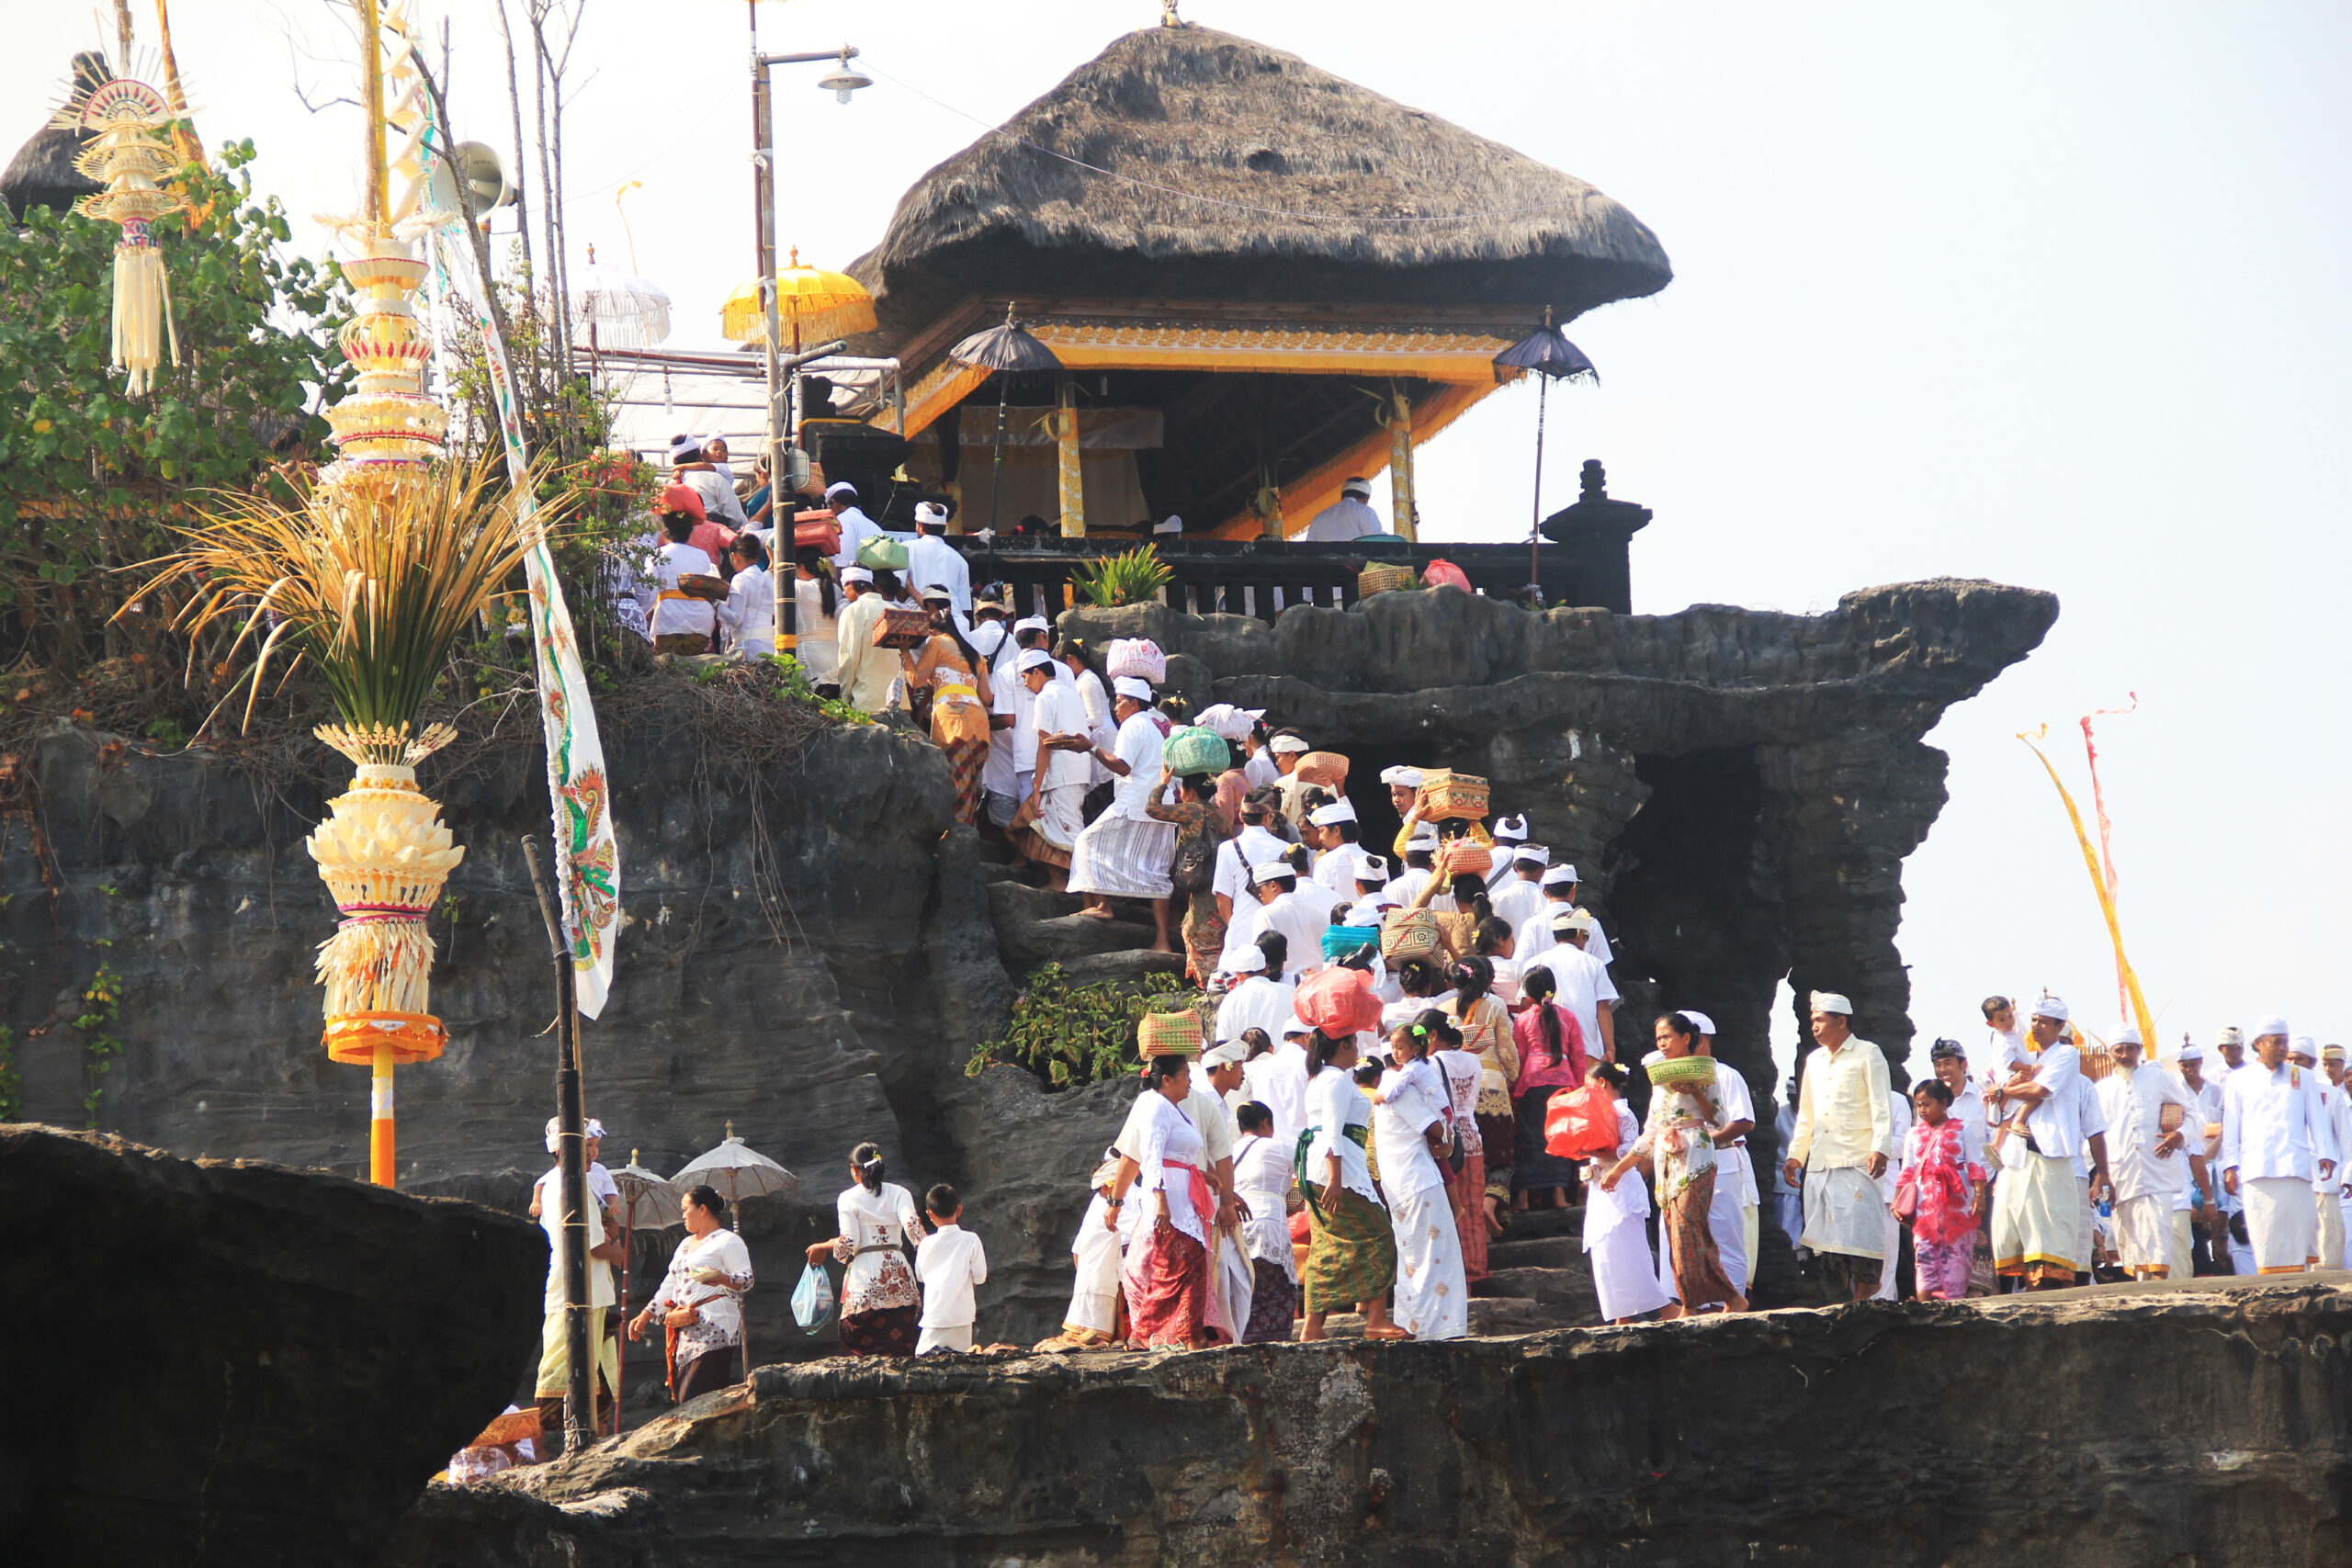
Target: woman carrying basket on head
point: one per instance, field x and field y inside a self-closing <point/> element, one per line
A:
<point x="955" y="677"/>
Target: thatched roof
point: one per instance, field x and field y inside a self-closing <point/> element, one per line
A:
<point x="42" y="173"/>
<point x="1298" y="166"/>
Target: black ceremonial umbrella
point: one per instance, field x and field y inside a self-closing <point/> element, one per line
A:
<point x="1008" y="350"/>
<point x="1549" y="354"/>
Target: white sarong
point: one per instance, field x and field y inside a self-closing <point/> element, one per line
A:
<point x="2331" y="1228"/>
<point x="2281" y="1223"/>
<point x="1433" y="1297"/>
<point x="2144" y="1234"/>
<point x="2040" y="1222"/>
<point x="1625" y="1272"/>
<point x="1120" y="857"/>
<point x="1094" y="1299"/>
<point x="1843" y="1212"/>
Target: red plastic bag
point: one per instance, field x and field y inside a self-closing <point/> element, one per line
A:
<point x="1443" y="573"/>
<point x="1580" y="1123"/>
<point x="1336" y="1001"/>
<point x="1300" y="1228"/>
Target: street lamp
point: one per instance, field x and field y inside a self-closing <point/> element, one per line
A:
<point x="842" y="81"/>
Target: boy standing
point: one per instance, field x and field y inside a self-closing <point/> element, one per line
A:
<point x="949" y="1262"/>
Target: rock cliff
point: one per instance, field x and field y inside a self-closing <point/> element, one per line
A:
<point x="811" y="948"/>
<point x="2092" y="1430"/>
<point x="214" y="1363"/>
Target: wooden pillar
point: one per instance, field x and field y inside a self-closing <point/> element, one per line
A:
<point x="1400" y="462"/>
<point x="1073" y="487"/>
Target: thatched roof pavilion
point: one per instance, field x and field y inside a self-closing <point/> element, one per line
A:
<point x="1256" y="253"/>
<point x="42" y="173"/>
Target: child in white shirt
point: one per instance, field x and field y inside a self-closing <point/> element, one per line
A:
<point x="948" y="1263"/>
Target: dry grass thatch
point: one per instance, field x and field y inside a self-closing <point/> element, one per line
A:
<point x="1216" y="116"/>
<point x="42" y="173"/>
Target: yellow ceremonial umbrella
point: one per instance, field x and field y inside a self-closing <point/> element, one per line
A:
<point x="810" y="303"/>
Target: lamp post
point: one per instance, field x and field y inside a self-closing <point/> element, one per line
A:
<point x="841" y="82"/>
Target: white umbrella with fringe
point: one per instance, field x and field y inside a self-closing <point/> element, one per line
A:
<point x="736" y="1171"/>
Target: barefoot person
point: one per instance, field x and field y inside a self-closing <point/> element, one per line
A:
<point x="1678" y="1142"/>
<point x="1843" y="1139"/>
<point x="879" y="1306"/>
<point x="1353" y="1255"/>
<point x="700" y="1303"/>
<point x="1124" y="853"/>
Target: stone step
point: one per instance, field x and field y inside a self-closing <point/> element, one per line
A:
<point x="1490" y="1316"/>
<point x="1567" y="1290"/>
<point x="1536" y="1252"/>
<point x="1136" y="964"/>
<point x="1533" y="1223"/>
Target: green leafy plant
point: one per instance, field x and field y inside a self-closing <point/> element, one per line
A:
<point x="102" y="1006"/>
<point x="798" y="687"/>
<point x="1072" y="1036"/>
<point x="1134" y="578"/>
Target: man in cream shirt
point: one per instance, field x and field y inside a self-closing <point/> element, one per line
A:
<point x="1843" y="1142"/>
<point x="2276" y="1137"/>
<point x="2151" y="1120"/>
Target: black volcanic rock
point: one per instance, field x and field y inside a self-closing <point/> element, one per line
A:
<point x="238" y="1364"/>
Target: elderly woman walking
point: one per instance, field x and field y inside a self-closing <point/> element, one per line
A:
<point x="878" y="1220"/>
<point x="700" y="1303"/>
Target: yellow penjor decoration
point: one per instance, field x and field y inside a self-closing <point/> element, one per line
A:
<point x="130" y="153"/>
<point x="2101" y="886"/>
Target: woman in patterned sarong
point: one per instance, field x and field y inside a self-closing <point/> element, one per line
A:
<point x="1353" y="1256"/>
<point x="955" y="678"/>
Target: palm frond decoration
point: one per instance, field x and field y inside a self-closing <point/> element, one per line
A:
<point x="1134" y="578"/>
<point x="373" y="583"/>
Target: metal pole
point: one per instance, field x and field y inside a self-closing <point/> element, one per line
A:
<point x="1536" y="522"/>
<point x="764" y="153"/>
<point x="580" y="1399"/>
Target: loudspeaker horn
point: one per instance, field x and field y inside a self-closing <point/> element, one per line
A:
<point x="478" y="163"/>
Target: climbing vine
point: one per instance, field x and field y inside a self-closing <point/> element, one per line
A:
<point x="1072" y="1036"/>
<point x="102" y="1005"/>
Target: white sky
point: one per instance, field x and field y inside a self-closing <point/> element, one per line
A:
<point x="2051" y="295"/>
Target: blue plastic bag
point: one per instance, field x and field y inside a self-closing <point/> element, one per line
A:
<point x="812" y="1298"/>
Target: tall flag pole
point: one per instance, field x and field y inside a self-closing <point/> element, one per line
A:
<point x="2103" y="888"/>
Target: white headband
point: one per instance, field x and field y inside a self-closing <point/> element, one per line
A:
<point x="1131" y="686"/>
<point x="1232" y="1053"/>
<point x="1271" y="870"/>
<point x="1032" y="659"/>
<point x="1033" y="624"/>
<point x="1331" y="815"/>
<point x="1403" y="778"/>
<point x="2274" y="1024"/>
<point x="1531" y="855"/>
<point x="840" y="486"/>
<point x="1371" y="868"/>
<point x="594" y="1129"/>
<point x="1287" y="745"/>
<point x="1511" y="828"/>
<point x="1560" y="877"/>
<point x="2051" y="1008"/>
<point x="857" y="574"/>
<point x="1830" y="1001"/>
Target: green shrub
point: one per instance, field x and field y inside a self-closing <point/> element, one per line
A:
<point x="1072" y="1036"/>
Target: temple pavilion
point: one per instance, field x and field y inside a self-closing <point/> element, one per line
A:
<point x="1260" y="279"/>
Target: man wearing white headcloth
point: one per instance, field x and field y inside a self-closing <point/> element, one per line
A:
<point x="1287" y="749"/>
<point x="2151" y="1120"/>
<point x="2201" y="1208"/>
<point x="1261" y="996"/>
<point x="1418" y="852"/>
<point x="2331" y="1064"/>
<point x="2276" y="1138"/>
<point x="1519" y="897"/>
<point x="1350" y="517"/>
<point x="1582" y="986"/>
<point x="855" y="525"/>
<point x="1843" y="1140"/>
<point x="1558" y="885"/>
<point x="1333" y="828"/>
<point x="603" y="1251"/>
<point x="865" y="671"/>
<point x="691" y="468"/>
<point x="2038" y="1206"/>
<point x="1372" y="891"/>
<point x="1124" y="853"/>
<point x="2303" y="1051"/>
<point x="1511" y="837"/>
<point x="1275" y="886"/>
<point x="1277" y="1080"/>
<point x="1061" y="768"/>
<point x="1404" y="793"/>
<point x="932" y="563"/>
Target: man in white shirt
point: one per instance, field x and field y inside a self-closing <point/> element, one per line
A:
<point x="2303" y="1051"/>
<point x="1509" y="837"/>
<point x="1841" y="1141"/>
<point x="1222" y="1063"/>
<point x="1350" y="517"/>
<point x="603" y="1251"/>
<point x="717" y="490"/>
<point x="1062" y="767"/>
<point x="855" y="525"/>
<point x="1372" y="891"/>
<point x="2037" y="1214"/>
<point x="2213" y="1216"/>
<point x="682" y="622"/>
<point x="1559" y="886"/>
<point x="1420" y="860"/>
<point x="1331" y="833"/>
<point x="1518" y="895"/>
<point x="1738" y="1167"/>
<point x="1277" y="1080"/>
<point x="2275" y="1136"/>
<point x="949" y="1263"/>
<point x="1236" y="857"/>
<point x="1258" y="1000"/>
<point x="1584" y="986"/>
<point x="2151" y="1117"/>
<point x="2340" y="1104"/>
<point x="932" y="561"/>
<point x="1124" y="853"/>
<point x="1318" y="896"/>
<point x="1275" y="883"/>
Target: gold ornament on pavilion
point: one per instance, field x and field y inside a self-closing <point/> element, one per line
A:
<point x="131" y="153"/>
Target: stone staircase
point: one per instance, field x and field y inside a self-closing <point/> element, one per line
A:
<point x="1034" y="927"/>
<point x="1539" y="1280"/>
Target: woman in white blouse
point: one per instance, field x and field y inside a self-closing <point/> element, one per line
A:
<point x="1352" y="1259"/>
<point x="816" y="612"/>
<point x="878" y="1220"/>
<point x="1262" y="1182"/>
<point x="1409" y="1116"/>
<point x="749" y="613"/>
<point x="1166" y="1271"/>
<point x="700" y="1302"/>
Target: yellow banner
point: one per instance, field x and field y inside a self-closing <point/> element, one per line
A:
<point x="2149" y="1048"/>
